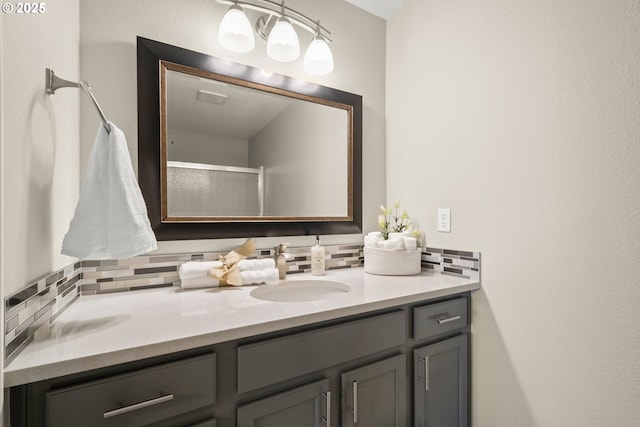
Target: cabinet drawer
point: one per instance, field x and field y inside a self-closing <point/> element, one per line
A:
<point x="435" y="319"/>
<point x="271" y="361"/>
<point x="137" y="398"/>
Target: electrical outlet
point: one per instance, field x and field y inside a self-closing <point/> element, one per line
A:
<point x="444" y="220"/>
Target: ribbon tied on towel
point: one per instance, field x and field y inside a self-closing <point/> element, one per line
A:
<point x="229" y="273"/>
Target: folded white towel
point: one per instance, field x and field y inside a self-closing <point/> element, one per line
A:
<point x="372" y="241"/>
<point x="193" y="269"/>
<point x="393" y="236"/>
<point x="199" y="282"/>
<point x="258" y="277"/>
<point x="110" y="220"/>
<point x="193" y="275"/>
<point x="395" y="245"/>
<point x="410" y="243"/>
<point x="256" y="264"/>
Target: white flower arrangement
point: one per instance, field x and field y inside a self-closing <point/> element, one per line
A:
<point x="392" y="222"/>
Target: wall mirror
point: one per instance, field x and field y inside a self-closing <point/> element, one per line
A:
<point x="228" y="150"/>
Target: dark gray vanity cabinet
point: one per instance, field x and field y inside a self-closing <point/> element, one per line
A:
<point x="394" y="367"/>
<point x="375" y="395"/>
<point x="441" y="369"/>
<point x="369" y="351"/>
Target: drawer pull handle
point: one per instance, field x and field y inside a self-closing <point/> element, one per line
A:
<point x="425" y="380"/>
<point x="327" y="420"/>
<point x="140" y="405"/>
<point x="447" y="319"/>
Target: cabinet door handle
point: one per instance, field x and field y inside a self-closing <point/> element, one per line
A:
<point x="354" y="410"/>
<point x="140" y="405"/>
<point x="327" y="420"/>
<point x="447" y="319"/>
<point x="426" y="372"/>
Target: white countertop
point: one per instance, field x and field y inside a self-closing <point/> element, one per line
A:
<point x="109" y="329"/>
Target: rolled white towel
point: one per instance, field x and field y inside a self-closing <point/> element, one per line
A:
<point x="377" y="234"/>
<point x="395" y="244"/>
<point x="196" y="269"/>
<point x="256" y="264"/>
<point x="372" y="241"/>
<point x="394" y="236"/>
<point x="199" y="282"/>
<point x="410" y="243"/>
<point x="258" y="277"/>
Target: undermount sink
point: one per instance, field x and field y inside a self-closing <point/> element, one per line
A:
<point x="300" y="290"/>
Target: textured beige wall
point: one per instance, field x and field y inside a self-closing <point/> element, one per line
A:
<point x="2" y="249"/>
<point x="40" y="141"/>
<point x="108" y="33"/>
<point x="524" y="118"/>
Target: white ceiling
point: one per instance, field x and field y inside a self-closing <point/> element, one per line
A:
<point x="382" y="8"/>
<point x="243" y="115"/>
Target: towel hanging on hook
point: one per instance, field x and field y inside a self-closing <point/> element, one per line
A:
<point x="54" y="83"/>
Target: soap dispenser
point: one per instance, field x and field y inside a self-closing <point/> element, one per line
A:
<point x="317" y="259"/>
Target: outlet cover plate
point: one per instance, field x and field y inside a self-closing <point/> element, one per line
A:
<point x="444" y="220"/>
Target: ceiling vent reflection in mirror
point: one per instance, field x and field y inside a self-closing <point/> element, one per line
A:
<point x="275" y="25"/>
<point x="211" y="97"/>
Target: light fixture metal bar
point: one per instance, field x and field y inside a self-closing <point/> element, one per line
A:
<point x="294" y="16"/>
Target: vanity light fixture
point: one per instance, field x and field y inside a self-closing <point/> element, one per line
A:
<point x="283" y="44"/>
<point x="275" y="25"/>
<point x="235" y="32"/>
<point x="318" y="59"/>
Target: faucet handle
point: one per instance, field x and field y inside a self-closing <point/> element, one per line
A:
<point x="281" y="257"/>
<point x="280" y="248"/>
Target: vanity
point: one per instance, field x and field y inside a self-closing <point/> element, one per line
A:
<point x="391" y="351"/>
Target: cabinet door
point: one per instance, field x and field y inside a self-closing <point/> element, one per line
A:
<point x="375" y="395"/>
<point x="440" y="383"/>
<point x="306" y="406"/>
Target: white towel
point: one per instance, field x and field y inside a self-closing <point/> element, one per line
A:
<point x="395" y="244"/>
<point x="410" y="243"/>
<point x="194" y="269"/>
<point x="372" y="241"/>
<point x="256" y="264"/>
<point x="254" y="277"/>
<point x="259" y="277"/>
<point x="111" y="219"/>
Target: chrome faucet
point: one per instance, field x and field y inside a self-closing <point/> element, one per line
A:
<point x="280" y="256"/>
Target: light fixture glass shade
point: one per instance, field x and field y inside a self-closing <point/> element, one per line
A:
<point x="318" y="59"/>
<point x="283" y="44"/>
<point x="235" y="32"/>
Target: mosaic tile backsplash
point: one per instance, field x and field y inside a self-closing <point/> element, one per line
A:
<point x="29" y="311"/>
<point x="453" y="263"/>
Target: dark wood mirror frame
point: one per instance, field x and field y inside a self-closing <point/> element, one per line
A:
<point x="150" y="54"/>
